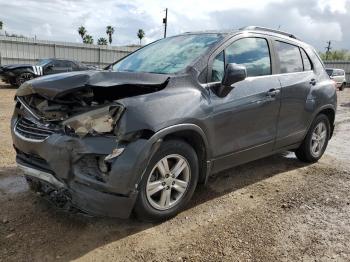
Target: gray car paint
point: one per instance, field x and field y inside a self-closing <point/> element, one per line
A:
<point x="247" y="124"/>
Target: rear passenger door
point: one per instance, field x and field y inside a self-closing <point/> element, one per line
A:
<point x="296" y="76"/>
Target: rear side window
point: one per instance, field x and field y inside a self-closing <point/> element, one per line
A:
<point x="306" y="60"/>
<point x="253" y="53"/>
<point x="340" y="73"/>
<point x="289" y="57"/>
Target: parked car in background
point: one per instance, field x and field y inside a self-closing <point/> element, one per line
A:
<point x="338" y="75"/>
<point x="142" y="135"/>
<point x="17" y="74"/>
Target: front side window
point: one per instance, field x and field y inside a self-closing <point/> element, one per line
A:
<point x="289" y="57"/>
<point x="253" y="53"/>
<point x="169" y="55"/>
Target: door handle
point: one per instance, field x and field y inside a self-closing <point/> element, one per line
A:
<point x="313" y="81"/>
<point x="273" y="92"/>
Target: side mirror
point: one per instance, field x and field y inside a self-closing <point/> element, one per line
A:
<point x="233" y="74"/>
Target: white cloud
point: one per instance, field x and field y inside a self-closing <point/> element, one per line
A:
<point x="317" y="20"/>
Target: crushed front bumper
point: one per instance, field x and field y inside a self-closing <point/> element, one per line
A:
<point x="78" y="196"/>
<point x="68" y="165"/>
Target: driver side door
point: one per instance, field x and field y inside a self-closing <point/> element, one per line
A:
<point x="244" y="122"/>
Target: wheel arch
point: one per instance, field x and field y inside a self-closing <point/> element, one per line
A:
<point x="195" y="137"/>
<point x="329" y="111"/>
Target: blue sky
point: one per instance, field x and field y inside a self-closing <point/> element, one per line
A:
<point x="315" y="21"/>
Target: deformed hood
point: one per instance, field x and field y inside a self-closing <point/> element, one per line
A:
<point x="57" y="85"/>
<point x="10" y="67"/>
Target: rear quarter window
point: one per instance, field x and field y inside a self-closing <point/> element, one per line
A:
<point x="306" y="61"/>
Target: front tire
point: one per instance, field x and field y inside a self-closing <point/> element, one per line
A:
<point x="316" y="140"/>
<point x="23" y="77"/>
<point x="341" y="88"/>
<point x="168" y="183"/>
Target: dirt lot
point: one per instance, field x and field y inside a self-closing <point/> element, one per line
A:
<point x="274" y="209"/>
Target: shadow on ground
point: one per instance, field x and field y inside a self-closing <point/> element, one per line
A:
<point x="35" y="225"/>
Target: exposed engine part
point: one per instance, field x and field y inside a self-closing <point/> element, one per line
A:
<point x="100" y="120"/>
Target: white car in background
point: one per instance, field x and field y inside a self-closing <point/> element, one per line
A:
<point x="338" y="75"/>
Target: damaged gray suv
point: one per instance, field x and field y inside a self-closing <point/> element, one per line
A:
<point x="139" y="136"/>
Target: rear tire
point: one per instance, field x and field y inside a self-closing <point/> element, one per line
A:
<point x="316" y="140"/>
<point x="341" y="88"/>
<point x="164" y="192"/>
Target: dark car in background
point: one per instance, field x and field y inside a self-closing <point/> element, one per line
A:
<point x="142" y="135"/>
<point x="17" y="74"/>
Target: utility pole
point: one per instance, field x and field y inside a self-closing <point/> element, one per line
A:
<point x="328" y="49"/>
<point x="165" y="21"/>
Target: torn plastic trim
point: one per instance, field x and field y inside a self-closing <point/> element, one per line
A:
<point x="115" y="153"/>
<point x="36" y="116"/>
<point x="101" y="120"/>
<point x="41" y="175"/>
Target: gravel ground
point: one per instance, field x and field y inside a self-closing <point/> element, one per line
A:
<point x="273" y="209"/>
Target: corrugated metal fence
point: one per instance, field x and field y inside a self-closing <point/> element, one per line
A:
<point x="20" y="50"/>
<point x="345" y="65"/>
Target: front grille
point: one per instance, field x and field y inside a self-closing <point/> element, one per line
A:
<point x="30" y="130"/>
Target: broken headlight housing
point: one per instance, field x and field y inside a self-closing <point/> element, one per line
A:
<point x="101" y="120"/>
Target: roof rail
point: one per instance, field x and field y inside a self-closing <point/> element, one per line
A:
<point x="259" y="28"/>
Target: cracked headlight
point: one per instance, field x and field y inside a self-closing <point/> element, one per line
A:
<point x="102" y="120"/>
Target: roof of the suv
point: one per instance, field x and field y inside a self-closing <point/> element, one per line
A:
<point x="253" y="29"/>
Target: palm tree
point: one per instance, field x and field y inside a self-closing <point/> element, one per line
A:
<point x="82" y="32"/>
<point x="109" y="32"/>
<point x="102" y="41"/>
<point x="140" y="34"/>
<point x="88" y="39"/>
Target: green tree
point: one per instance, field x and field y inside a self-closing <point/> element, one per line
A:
<point x="110" y="32"/>
<point x="140" y="34"/>
<point x="88" y="39"/>
<point x="102" y="41"/>
<point x="1" y="25"/>
<point x="82" y="32"/>
<point x="335" y="55"/>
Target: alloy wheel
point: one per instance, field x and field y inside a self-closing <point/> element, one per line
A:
<point x="168" y="182"/>
<point x="318" y="139"/>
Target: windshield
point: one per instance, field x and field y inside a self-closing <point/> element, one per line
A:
<point x="43" y="62"/>
<point x="329" y="72"/>
<point x="167" y="56"/>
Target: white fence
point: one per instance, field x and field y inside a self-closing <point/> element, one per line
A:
<point x="20" y="50"/>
